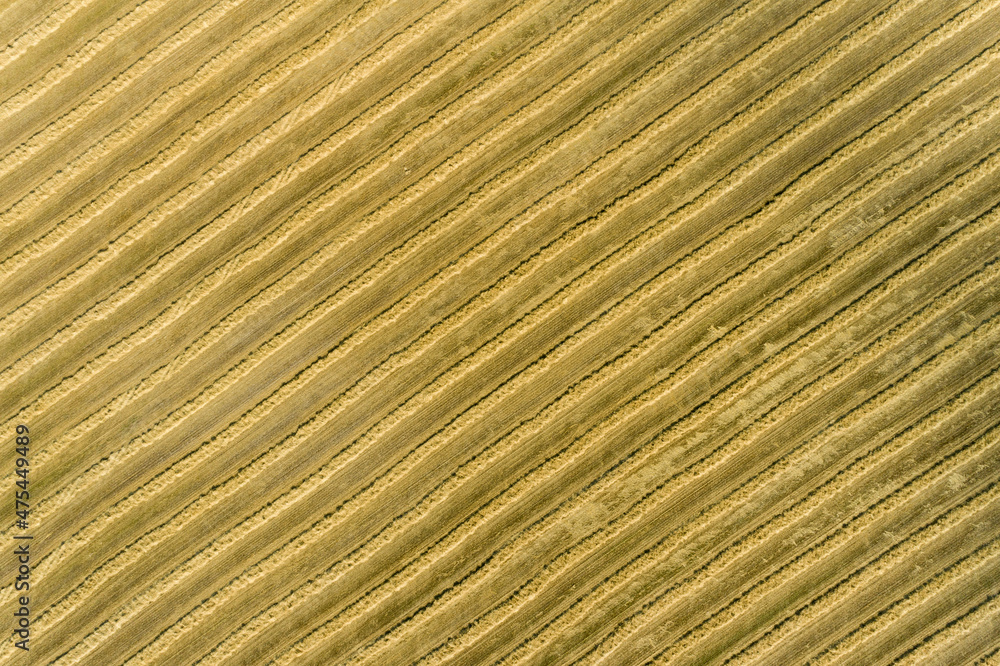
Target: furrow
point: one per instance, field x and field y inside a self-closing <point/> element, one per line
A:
<point x="703" y="467"/>
<point x="935" y="647"/>
<point x="867" y="575"/>
<point x="603" y="113"/>
<point x="883" y="621"/>
<point x="991" y="658"/>
<point x="73" y="62"/>
<point x="696" y="281"/>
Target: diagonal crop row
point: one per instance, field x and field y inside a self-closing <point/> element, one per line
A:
<point x="883" y="622"/>
<point x="760" y="535"/>
<point x="142" y="12"/>
<point x="704" y="575"/>
<point x="240" y="101"/>
<point x="810" y="561"/>
<point x="286" y="335"/>
<point x="141" y="122"/>
<point x="279" y="235"/>
<point x="314" y="264"/>
<point x="842" y="482"/>
<point x="943" y="642"/>
<point x="639" y="459"/>
<point x="37" y="33"/>
<point x="859" y="307"/>
<point x="598" y="435"/>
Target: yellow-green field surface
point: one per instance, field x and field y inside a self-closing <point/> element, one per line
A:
<point x="486" y="332"/>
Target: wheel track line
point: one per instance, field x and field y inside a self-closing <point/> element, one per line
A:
<point x="37" y="33"/>
<point x="145" y="10"/>
<point x="595" y="435"/>
<point x="480" y="626"/>
<point x="983" y="614"/>
<point x="894" y="556"/>
<point x="140" y="122"/>
<point x="909" y="603"/>
<point x="314" y="526"/>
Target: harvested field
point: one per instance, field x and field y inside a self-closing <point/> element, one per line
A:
<point x="497" y="332"/>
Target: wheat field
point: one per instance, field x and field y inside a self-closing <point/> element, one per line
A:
<point x="502" y="331"/>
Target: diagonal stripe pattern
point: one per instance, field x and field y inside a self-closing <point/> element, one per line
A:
<point x="504" y="332"/>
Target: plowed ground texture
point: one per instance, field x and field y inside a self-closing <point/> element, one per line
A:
<point x="502" y="332"/>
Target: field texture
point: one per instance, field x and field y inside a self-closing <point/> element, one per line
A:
<point x="502" y="332"/>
